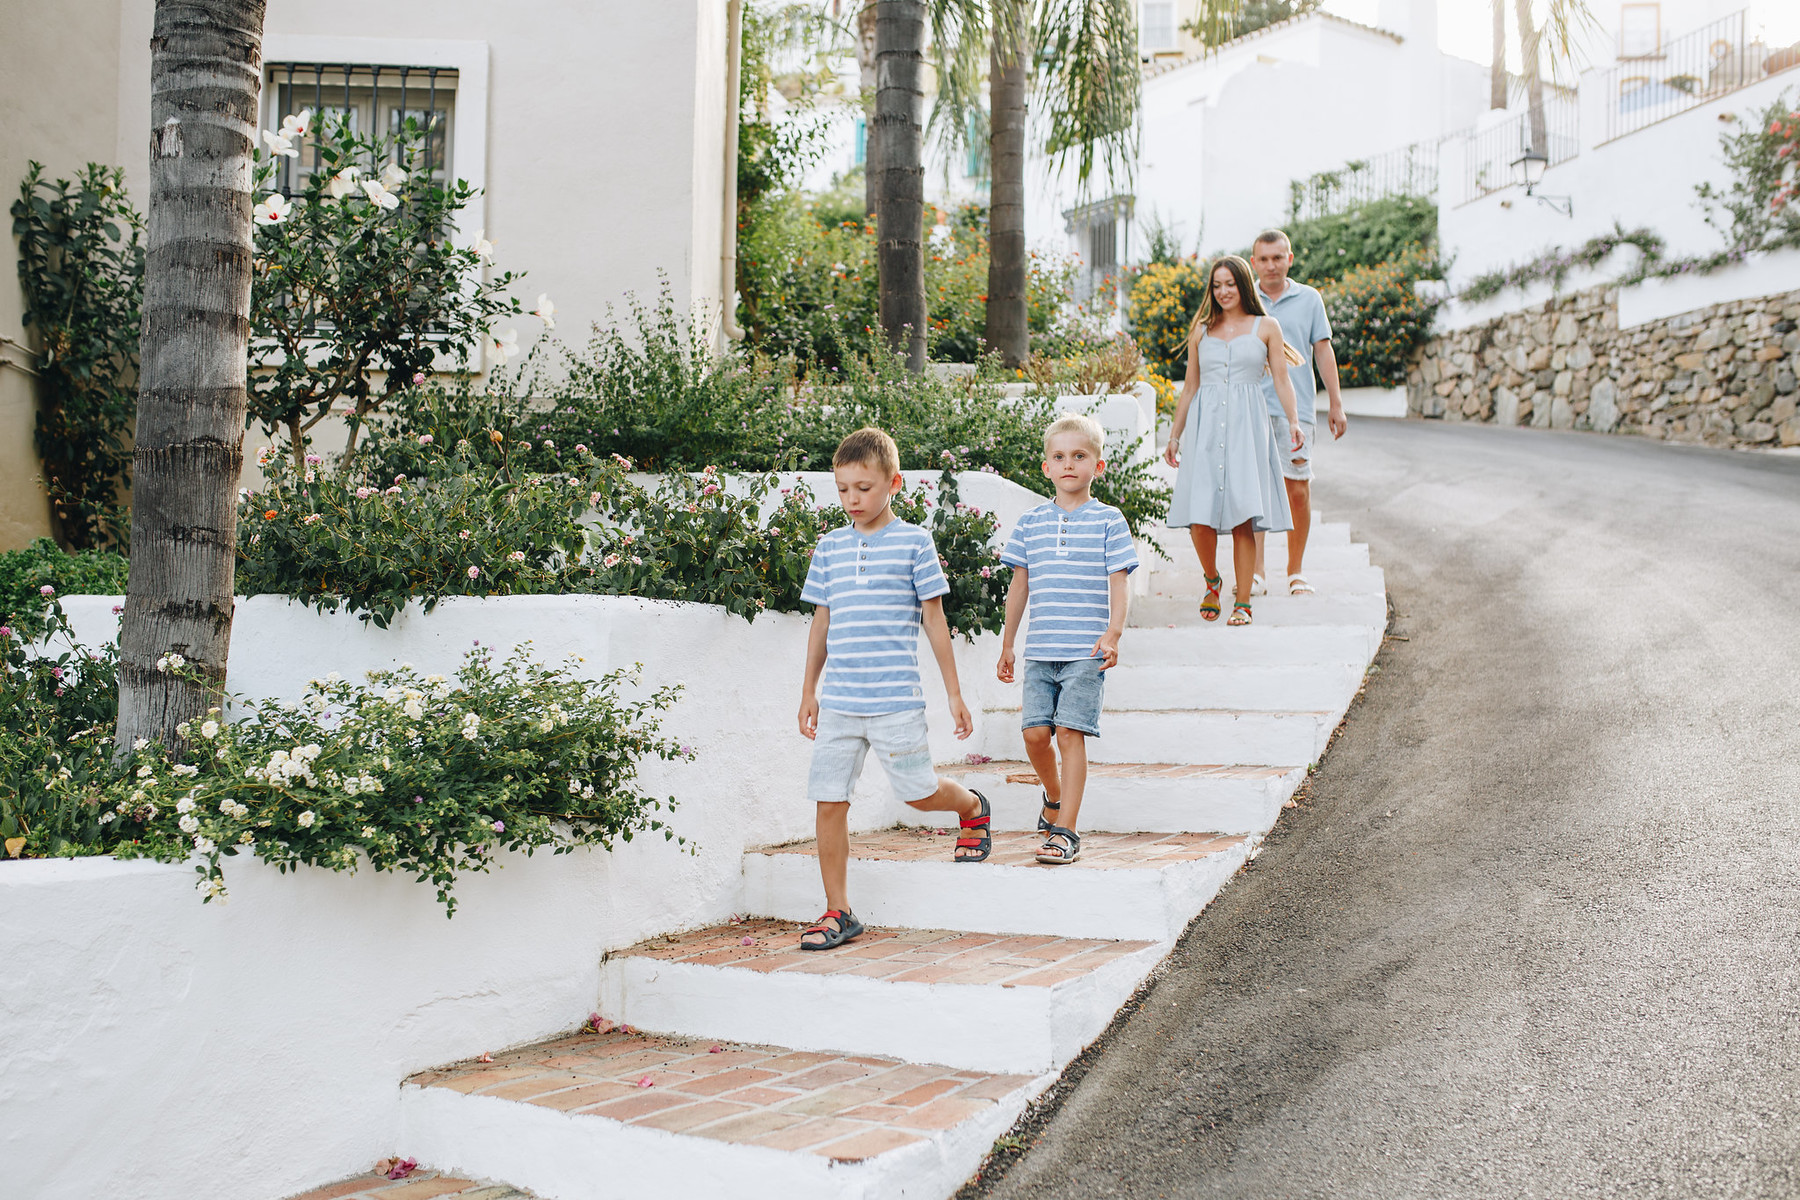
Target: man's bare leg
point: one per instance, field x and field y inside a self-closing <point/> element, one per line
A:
<point x="1300" y="504"/>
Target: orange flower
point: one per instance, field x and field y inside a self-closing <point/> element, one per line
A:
<point x="270" y="515"/>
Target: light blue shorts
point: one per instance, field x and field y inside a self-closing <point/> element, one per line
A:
<point x="1295" y="464"/>
<point x="1064" y="694"/>
<point x="898" y="740"/>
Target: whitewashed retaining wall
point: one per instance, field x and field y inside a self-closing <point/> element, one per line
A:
<point x="164" y="1050"/>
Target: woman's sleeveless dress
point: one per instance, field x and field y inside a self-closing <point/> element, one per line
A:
<point x="1230" y="466"/>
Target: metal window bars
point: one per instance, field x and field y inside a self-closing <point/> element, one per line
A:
<point x="375" y="98"/>
<point x="1406" y="171"/>
<point x="1687" y="71"/>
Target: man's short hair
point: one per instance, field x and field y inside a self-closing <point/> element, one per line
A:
<point x="1270" y="237"/>
<point x="1093" y="434"/>
<point x="869" y="446"/>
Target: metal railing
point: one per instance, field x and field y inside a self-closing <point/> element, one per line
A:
<point x="377" y="99"/>
<point x="1408" y="171"/>
<point x="1688" y="71"/>
<point x="1488" y="156"/>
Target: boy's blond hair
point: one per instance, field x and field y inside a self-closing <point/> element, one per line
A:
<point x="1091" y="431"/>
<point x="869" y="446"/>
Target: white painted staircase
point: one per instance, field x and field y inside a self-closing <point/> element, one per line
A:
<point x="888" y="1068"/>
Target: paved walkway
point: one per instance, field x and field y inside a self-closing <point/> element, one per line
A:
<point x="1534" y="932"/>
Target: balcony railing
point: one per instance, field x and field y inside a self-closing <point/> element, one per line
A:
<point x="1409" y="171"/>
<point x="1488" y="156"/>
<point x="1688" y="71"/>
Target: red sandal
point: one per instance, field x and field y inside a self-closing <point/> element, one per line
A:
<point x="983" y="845"/>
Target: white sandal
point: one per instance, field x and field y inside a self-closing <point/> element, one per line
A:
<point x="1298" y="586"/>
<point x="1259" y="586"/>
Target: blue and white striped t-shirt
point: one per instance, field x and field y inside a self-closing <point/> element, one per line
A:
<point x="1069" y="557"/>
<point x="874" y="584"/>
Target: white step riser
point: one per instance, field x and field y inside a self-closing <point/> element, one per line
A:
<point x="1218" y="645"/>
<point x="564" y="1157"/>
<point x="1143" y="805"/>
<point x="985" y="898"/>
<point x="1007" y="1030"/>
<point x="1327" y="581"/>
<point x="1271" y="611"/>
<point x="1144" y="687"/>
<point x="1181" y="556"/>
<point x="1251" y="738"/>
<point x="1320" y="533"/>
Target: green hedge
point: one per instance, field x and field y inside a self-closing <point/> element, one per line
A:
<point x="1378" y="320"/>
<point x="25" y="573"/>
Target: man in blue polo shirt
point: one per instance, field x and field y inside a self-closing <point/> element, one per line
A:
<point x="1300" y="311"/>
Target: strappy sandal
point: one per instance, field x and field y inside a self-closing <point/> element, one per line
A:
<point x="830" y="939"/>
<point x="1057" y="807"/>
<point x="1062" y="847"/>
<point x="1209" y="607"/>
<point x="1298" y="586"/>
<point x="1259" y="586"/>
<point x="1240" y="613"/>
<point x="983" y="845"/>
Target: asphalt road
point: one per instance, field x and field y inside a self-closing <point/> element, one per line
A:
<point x="1535" y="931"/>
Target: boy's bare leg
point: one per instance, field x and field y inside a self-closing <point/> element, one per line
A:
<point x="1072" y="743"/>
<point x="1243" y="560"/>
<point x="1206" y="545"/>
<point x="1040" y="749"/>
<point x="950" y="796"/>
<point x="834" y="853"/>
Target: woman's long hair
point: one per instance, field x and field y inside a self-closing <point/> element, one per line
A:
<point x="1210" y="314"/>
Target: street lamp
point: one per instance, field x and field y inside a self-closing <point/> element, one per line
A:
<point x="1529" y="169"/>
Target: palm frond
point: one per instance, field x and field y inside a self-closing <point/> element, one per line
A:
<point x="959" y="37"/>
<point x="1088" y="84"/>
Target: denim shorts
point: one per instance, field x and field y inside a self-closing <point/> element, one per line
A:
<point x="843" y="741"/>
<point x="1295" y="464"/>
<point x="1064" y="694"/>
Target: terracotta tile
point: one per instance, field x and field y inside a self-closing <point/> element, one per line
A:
<point x="725" y="1081"/>
<point x="583" y="1097"/>
<point x="923" y="1093"/>
<point x="748" y="1128"/>
<point x="724" y="1060"/>
<point x="680" y="1120"/>
<point x="830" y="1074"/>
<point x="424" y="1189"/>
<point x="347" y="1187"/>
<point x="760" y="1096"/>
<point x="643" y="1104"/>
<point x="994" y="1087"/>
<point x="811" y="963"/>
<point x="924" y="975"/>
<point x="525" y="1089"/>
<point x="942" y="1114"/>
<point x="809" y="1133"/>
<point x="1049" y="978"/>
<point x="866" y="1145"/>
<point x="902" y="1078"/>
<point x="975" y="976"/>
<point x="799" y="1060"/>
<point x="835" y="1100"/>
<point x="475" y="1080"/>
<point x="875" y="970"/>
<point x="641" y="1061"/>
<point x="879" y="1114"/>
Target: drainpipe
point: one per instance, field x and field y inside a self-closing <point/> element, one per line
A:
<point x="734" y="54"/>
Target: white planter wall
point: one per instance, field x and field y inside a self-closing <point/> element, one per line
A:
<point x="168" y="1050"/>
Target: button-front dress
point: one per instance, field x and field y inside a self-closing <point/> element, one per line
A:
<point x="1230" y="465"/>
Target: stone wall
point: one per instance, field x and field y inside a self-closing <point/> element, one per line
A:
<point x="1723" y="375"/>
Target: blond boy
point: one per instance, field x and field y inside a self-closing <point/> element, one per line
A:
<point x="1070" y="558"/>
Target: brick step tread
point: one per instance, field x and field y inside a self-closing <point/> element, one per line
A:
<point x="420" y="1185"/>
<point x="840" y="1107"/>
<point x="897" y="955"/>
<point x="1024" y="772"/>
<point x="1323" y="714"/>
<point x="1099" y="851"/>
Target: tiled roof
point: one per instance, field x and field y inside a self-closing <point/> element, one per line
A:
<point x="1163" y="68"/>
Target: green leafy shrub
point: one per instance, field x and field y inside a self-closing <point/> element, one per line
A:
<point x="1327" y="248"/>
<point x="81" y="264"/>
<point x="1164" y="299"/>
<point x="24" y="574"/>
<point x="57" y="707"/>
<point x="426" y="775"/>
<point x="1379" y="321"/>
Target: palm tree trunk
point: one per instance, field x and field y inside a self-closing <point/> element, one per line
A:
<point x="1534" y="79"/>
<point x="865" y="66"/>
<point x="1497" y="72"/>
<point x="205" y="77"/>
<point x="900" y="170"/>
<point x="1007" y="329"/>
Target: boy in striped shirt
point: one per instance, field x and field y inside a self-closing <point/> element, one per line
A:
<point x="1070" y="557"/>
<point x="874" y="581"/>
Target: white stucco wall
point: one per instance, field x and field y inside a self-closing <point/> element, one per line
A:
<point x="604" y="131"/>
<point x="163" y="1049"/>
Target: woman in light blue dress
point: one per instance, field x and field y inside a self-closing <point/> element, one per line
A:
<point x="1230" y="467"/>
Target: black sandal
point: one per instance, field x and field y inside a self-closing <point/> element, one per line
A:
<point x="983" y="845"/>
<point x="847" y="927"/>
<point x="1051" y="854"/>
<point x="1043" y="825"/>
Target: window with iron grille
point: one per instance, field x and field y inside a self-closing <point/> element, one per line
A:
<point x="1156" y="27"/>
<point x="376" y="99"/>
<point x="1096" y="231"/>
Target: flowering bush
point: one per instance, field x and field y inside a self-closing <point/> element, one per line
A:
<point x="24" y="574"/>
<point x="427" y="775"/>
<point x="1378" y="320"/>
<point x="1164" y="298"/>
<point x="56" y="713"/>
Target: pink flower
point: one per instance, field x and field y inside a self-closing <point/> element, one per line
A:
<point x="611" y="560"/>
<point x="646" y="1081"/>
<point x="716" y="1050"/>
<point x="464" y="535"/>
<point x="517" y="556"/>
<point x="987" y="572"/>
<point x="474" y="572"/>
<point x="117" y="609"/>
<point x="580" y="449"/>
<point x="709" y="489"/>
<point x="425" y="439"/>
<point x="418" y="377"/>
<point x="363" y="493"/>
<point x="46" y="590"/>
<point x="710" y="471"/>
<point x="499" y="826"/>
<point x="399" y="479"/>
<point x="313" y="460"/>
<point x="749" y="941"/>
<point x="311" y="518"/>
<point x="5" y="631"/>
